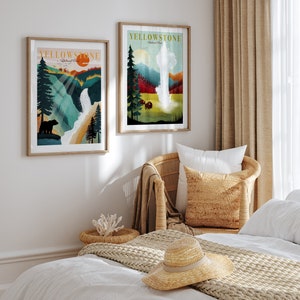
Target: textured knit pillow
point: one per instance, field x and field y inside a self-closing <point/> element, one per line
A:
<point x="222" y="162"/>
<point x="213" y="199"/>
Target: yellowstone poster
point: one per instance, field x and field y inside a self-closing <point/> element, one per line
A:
<point x="154" y="77"/>
<point x="67" y="96"/>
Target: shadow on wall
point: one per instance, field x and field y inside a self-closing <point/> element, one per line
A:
<point x="117" y="197"/>
<point x="117" y="193"/>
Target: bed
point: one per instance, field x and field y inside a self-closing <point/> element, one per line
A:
<point x="265" y="253"/>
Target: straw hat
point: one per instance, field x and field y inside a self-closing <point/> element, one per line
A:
<point x="185" y="263"/>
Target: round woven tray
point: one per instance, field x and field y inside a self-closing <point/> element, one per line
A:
<point x="121" y="236"/>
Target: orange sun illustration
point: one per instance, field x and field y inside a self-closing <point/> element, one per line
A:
<point x="82" y="60"/>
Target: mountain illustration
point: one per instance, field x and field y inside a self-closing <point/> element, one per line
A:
<point x="67" y="87"/>
<point x="177" y="87"/>
<point x="145" y="86"/>
<point x="149" y="79"/>
<point x="152" y="76"/>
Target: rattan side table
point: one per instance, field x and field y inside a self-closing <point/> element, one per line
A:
<point x="121" y="236"/>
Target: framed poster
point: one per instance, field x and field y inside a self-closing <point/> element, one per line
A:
<point x="67" y="96"/>
<point x="154" y="85"/>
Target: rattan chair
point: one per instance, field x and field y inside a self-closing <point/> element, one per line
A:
<point x="168" y="168"/>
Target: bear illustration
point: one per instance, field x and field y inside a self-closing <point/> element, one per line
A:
<point x="47" y="126"/>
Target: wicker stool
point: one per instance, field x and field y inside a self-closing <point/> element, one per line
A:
<point x="121" y="236"/>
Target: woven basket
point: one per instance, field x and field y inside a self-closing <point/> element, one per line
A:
<point x="121" y="236"/>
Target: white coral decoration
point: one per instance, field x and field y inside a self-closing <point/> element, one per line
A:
<point x="107" y="225"/>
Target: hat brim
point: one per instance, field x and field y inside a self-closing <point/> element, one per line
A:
<point x="216" y="266"/>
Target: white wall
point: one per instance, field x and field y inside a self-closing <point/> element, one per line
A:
<point x="45" y="202"/>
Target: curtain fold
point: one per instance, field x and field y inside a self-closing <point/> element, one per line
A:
<point x="244" y="84"/>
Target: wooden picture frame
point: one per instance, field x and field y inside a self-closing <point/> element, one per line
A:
<point x="154" y="77"/>
<point x="67" y="95"/>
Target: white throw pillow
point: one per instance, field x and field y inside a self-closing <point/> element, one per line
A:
<point x="221" y="162"/>
<point x="293" y="196"/>
<point x="276" y="218"/>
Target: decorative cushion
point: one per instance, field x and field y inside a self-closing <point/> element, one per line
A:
<point x="276" y="218"/>
<point x="221" y="162"/>
<point x="213" y="199"/>
<point x="293" y="196"/>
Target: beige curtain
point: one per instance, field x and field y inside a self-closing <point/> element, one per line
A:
<point x="243" y="84"/>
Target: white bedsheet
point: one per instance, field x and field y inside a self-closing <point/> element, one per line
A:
<point x="90" y="277"/>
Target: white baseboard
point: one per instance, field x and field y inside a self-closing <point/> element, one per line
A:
<point x="12" y="265"/>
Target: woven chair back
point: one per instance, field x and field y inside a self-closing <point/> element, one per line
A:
<point x="167" y="166"/>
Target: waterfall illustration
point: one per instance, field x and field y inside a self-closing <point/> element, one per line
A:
<point x="86" y="105"/>
<point x="166" y="60"/>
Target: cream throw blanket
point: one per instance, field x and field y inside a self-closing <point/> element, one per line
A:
<point x="256" y="276"/>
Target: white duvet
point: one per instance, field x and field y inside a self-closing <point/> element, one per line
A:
<point x="90" y="277"/>
<point x="273" y="229"/>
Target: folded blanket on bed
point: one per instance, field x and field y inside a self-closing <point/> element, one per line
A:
<point x="256" y="275"/>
